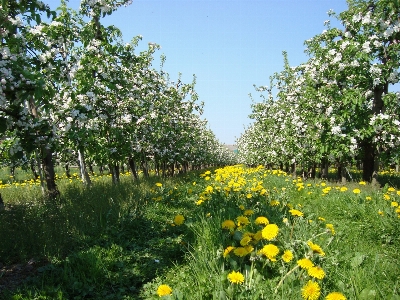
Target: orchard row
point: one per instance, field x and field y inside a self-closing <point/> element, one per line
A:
<point x="71" y="89"/>
<point x="337" y="108"/>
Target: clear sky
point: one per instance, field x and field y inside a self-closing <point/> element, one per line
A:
<point x="229" y="44"/>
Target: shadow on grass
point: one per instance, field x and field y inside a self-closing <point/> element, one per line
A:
<point x="102" y="242"/>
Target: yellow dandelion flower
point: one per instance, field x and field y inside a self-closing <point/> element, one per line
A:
<point x="316" y="272"/>
<point x="249" y="196"/>
<point x="321" y="219"/>
<point x="287" y="256"/>
<point x="394" y="204"/>
<point x="296" y="213"/>
<point x="236" y="277"/>
<point x="274" y="203"/>
<point x="305" y="263"/>
<point x="311" y="291"/>
<point x="179" y="219"/>
<point x="335" y="296"/>
<point x="241" y="207"/>
<point x="368" y="198"/>
<point x="245" y="240"/>
<point x="261" y="221"/>
<point x="343" y="189"/>
<point x="270" y="232"/>
<point x="159" y="184"/>
<point x="240" y="251"/>
<point x="356" y="191"/>
<point x="381" y="213"/>
<point x="228" y="250"/>
<point x="248" y="212"/>
<point x="386" y="197"/>
<point x="323" y="184"/>
<point x="199" y="202"/>
<point x="228" y="224"/>
<point x="270" y="251"/>
<point x="331" y="228"/>
<point x="391" y="189"/>
<point x="164" y="290"/>
<point x="362" y="183"/>
<point x="209" y="189"/>
<point x="258" y="236"/>
<point x="242" y="221"/>
<point x="315" y="248"/>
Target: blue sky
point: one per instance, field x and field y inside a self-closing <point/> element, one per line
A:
<point x="229" y="44"/>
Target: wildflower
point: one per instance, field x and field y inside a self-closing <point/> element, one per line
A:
<point x="159" y="184"/>
<point x="368" y="198"/>
<point x="331" y="228"/>
<point x="335" y="296"/>
<point x="236" y="277"/>
<point x="287" y="256"/>
<point x="179" y="219"/>
<point x="274" y="203"/>
<point x="362" y="183"/>
<point x="305" y="263"/>
<point x="228" y="224"/>
<point x="316" y="272"/>
<point x="386" y="196"/>
<point x="391" y="189"/>
<point x="343" y="189"/>
<point x="241" y="207"/>
<point x="164" y="290"/>
<point x="209" y="189"/>
<point x="270" y="232"/>
<point x="240" y="251"/>
<point x="270" y="251"/>
<point x="245" y="240"/>
<point x="228" y="250"/>
<point x="242" y="221"/>
<point x="394" y="204"/>
<point x="261" y="221"/>
<point x="249" y="196"/>
<point x="296" y="213"/>
<point x="311" y="291"/>
<point x="381" y="213"/>
<point x="248" y="212"/>
<point x="257" y="236"/>
<point x="356" y="191"/>
<point x="315" y="248"/>
<point x="321" y="219"/>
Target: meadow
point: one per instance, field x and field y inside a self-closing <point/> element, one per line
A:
<point x="227" y="233"/>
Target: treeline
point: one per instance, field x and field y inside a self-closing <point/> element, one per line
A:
<point x="71" y="88"/>
<point x="337" y="108"/>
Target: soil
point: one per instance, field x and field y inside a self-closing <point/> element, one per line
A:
<point x="12" y="276"/>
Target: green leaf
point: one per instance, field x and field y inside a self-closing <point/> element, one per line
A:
<point x="357" y="260"/>
<point x="367" y="294"/>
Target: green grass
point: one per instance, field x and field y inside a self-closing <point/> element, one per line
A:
<point x="119" y="242"/>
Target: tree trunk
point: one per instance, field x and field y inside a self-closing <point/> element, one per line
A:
<point x="132" y="166"/>
<point x="82" y="167"/>
<point x="49" y="174"/>
<point x="33" y="169"/>
<point x="293" y="170"/>
<point x="67" y="170"/>
<point x="143" y="164"/>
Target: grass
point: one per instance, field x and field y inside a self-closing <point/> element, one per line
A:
<point x="120" y="242"/>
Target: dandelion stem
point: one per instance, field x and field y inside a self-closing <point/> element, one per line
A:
<point x="284" y="277"/>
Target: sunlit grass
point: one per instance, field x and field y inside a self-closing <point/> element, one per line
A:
<point x="229" y="233"/>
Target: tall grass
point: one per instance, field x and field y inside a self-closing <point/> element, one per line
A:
<point x="120" y="241"/>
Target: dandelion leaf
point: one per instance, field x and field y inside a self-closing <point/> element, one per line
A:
<point x="357" y="260"/>
<point x="367" y="294"/>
